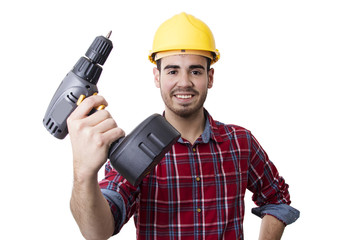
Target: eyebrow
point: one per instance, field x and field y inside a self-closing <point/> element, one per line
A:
<point x="196" y="66"/>
<point x="171" y="66"/>
<point x="190" y="67"/>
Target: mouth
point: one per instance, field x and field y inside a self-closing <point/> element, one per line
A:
<point x="184" y="96"/>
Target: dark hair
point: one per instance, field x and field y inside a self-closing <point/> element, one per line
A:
<point x="208" y="60"/>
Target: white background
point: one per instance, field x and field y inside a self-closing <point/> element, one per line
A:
<point x="289" y="72"/>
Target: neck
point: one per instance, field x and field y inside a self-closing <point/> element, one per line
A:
<point x="190" y="127"/>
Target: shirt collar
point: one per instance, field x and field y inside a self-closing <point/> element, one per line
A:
<point x="207" y="130"/>
<point x="211" y="130"/>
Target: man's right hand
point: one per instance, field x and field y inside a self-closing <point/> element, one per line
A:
<point x="91" y="136"/>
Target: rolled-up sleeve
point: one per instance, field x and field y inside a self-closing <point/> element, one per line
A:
<point x="282" y="212"/>
<point x="117" y="207"/>
<point x="120" y="194"/>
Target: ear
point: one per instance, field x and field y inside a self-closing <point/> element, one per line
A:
<point x="156" y="73"/>
<point x="211" y="78"/>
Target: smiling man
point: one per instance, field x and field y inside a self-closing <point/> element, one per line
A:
<point x="197" y="190"/>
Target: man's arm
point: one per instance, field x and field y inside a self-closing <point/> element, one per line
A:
<point x="271" y="228"/>
<point x="91" y="137"/>
<point x="270" y="194"/>
<point x="91" y="210"/>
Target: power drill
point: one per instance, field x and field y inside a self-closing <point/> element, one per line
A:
<point x="133" y="156"/>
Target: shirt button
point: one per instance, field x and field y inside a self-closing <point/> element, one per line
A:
<point x="198" y="179"/>
<point x="199" y="210"/>
<point x="194" y="149"/>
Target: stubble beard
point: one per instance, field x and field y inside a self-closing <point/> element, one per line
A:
<point x="184" y="110"/>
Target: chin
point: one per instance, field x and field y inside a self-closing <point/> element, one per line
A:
<point x="186" y="112"/>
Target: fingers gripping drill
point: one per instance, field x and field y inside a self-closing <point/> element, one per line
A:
<point x="133" y="156"/>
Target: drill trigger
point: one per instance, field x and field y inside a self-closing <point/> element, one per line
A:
<point x="81" y="98"/>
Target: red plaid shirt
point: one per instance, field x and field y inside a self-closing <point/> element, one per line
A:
<point x="197" y="191"/>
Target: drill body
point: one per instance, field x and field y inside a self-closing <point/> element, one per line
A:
<point x="64" y="103"/>
<point x="81" y="80"/>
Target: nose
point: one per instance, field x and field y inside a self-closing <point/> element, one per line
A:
<point x="185" y="80"/>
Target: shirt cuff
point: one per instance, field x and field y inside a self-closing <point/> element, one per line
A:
<point x="282" y="212"/>
<point x="116" y="199"/>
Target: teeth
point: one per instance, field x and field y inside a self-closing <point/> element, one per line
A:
<point x="184" y="96"/>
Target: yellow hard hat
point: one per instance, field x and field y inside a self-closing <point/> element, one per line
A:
<point x="184" y="34"/>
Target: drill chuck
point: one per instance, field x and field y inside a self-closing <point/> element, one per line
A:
<point x="88" y="68"/>
<point x="100" y="49"/>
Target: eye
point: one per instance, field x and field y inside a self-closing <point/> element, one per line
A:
<point x="196" y="72"/>
<point x="172" y="72"/>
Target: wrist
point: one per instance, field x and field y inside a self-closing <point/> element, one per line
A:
<point x="86" y="168"/>
<point x="84" y="176"/>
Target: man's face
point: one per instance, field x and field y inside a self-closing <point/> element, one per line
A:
<point x="183" y="82"/>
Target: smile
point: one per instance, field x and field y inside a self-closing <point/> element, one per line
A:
<point x="184" y="96"/>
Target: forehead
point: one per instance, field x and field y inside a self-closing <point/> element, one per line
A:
<point x="183" y="60"/>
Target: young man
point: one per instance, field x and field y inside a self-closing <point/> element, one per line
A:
<point x="197" y="190"/>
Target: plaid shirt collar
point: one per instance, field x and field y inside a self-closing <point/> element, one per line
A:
<point x="211" y="131"/>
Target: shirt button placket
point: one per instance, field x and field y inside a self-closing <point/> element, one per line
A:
<point x="198" y="187"/>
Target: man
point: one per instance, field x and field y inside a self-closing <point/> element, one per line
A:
<point x="197" y="190"/>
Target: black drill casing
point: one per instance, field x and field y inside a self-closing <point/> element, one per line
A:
<point x="139" y="152"/>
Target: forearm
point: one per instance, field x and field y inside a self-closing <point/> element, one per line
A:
<point x="271" y="228"/>
<point x="91" y="136"/>
<point x="91" y="210"/>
